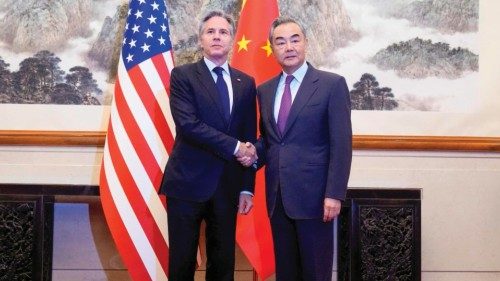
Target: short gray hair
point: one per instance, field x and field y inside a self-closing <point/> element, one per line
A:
<point x="217" y="13"/>
<point x="283" y="20"/>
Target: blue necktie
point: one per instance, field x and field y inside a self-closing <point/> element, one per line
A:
<point x="223" y="92"/>
<point x="286" y="104"/>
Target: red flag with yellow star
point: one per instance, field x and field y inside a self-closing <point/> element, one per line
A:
<point x="252" y="50"/>
<point x="252" y="54"/>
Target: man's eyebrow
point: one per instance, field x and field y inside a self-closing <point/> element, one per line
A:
<point x="282" y="37"/>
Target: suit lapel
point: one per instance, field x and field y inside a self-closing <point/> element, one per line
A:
<point x="306" y="90"/>
<point x="208" y="83"/>
<point x="236" y="82"/>
<point x="270" y="101"/>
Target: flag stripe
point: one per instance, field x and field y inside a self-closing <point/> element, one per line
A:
<point x="163" y="71"/>
<point x="158" y="98"/>
<point x="138" y="173"/>
<point x="166" y="107"/>
<point x="169" y="59"/>
<point x="135" y="136"/>
<point x="140" y="135"/>
<point x="147" y="97"/>
<point x="170" y="65"/>
<point x="132" y="225"/>
<point x="136" y="198"/>
<point x="163" y="98"/>
<point x="137" y="117"/>
<point x="120" y="235"/>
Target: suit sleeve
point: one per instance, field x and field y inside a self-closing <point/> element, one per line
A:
<point x="260" y="143"/>
<point x="250" y="136"/>
<point x="340" y="131"/>
<point x="184" y="112"/>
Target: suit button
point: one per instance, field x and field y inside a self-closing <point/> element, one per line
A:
<point x="282" y="144"/>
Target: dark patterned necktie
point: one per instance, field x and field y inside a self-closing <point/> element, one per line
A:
<point x="223" y="92"/>
<point x="286" y="104"/>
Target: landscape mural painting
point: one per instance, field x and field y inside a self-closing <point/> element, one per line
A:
<point x="404" y="55"/>
<point x="396" y="55"/>
<point x="56" y="52"/>
<point x="412" y="55"/>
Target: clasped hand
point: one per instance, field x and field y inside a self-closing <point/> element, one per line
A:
<point x="246" y="154"/>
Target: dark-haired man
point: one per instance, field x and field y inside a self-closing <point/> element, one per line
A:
<point x="214" y="109"/>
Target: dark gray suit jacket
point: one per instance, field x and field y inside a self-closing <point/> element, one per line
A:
<point x="202" y="158"/>
<point x="312" y="160"/>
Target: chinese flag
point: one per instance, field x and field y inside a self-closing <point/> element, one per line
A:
<point x="252" y="54"/>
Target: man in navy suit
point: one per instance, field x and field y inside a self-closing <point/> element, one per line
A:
<point x="306" y="145"/>
<point x="214" y="109"/>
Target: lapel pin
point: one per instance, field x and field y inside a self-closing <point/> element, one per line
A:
<point x="238" y="79"/>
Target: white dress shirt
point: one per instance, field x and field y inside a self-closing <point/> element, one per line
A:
<point x="225" y="75"/>
<point x="298" y="76"/>
<point x="227" y="78"/>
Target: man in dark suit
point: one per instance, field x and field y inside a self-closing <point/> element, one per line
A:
<point x="214" y="109"/>
<point x="306" y="144"/>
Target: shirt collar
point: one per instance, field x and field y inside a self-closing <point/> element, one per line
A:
<point x="298" y="74"/>
<point x="212" y="65"/>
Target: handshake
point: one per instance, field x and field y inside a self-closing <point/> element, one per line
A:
<point x="246" y="154"/>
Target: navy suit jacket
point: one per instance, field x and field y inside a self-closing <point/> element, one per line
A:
<point x="312" y="159"/>
<point x="202" y="158"/>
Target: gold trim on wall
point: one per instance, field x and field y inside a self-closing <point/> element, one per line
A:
<point x="491" y="144"/>
<point x="365" y="142"/>
<point x="52" y="138"/>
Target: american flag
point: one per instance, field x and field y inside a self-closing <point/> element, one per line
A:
<point x="140" y="137"/>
